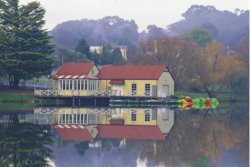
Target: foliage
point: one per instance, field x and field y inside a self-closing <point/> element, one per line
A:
<point x="83" y="48"/>
<point x="210" y="68"/>
<point x="24" y="144"/>
<point x="199" y="139"/>
<point x="108" y="30"/>
<point x="155" y="32"/>
<point x="25" y="47"/>
<point x="111" y="56"/>
<point x="234" y="73"/>
<point x="199" y="36"/>
<point x="207" y="67"/>
<point x="228" y="27"/>
<point x="63" y="55"/>
<point x="177" y="55"/>
<point x="81" y="147"/>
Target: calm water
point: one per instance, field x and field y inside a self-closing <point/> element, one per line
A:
<point x="114" y="137"/>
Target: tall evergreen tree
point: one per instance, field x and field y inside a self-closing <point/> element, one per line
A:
<point x="83" y="48"/>
<point x="24" y="45"/>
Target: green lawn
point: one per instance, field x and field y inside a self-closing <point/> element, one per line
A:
<point x="4" y="96"/>
<point x="13" y="106"/>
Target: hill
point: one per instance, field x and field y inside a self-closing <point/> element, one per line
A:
<point x="108" y="30"/>
<point x="228" y="27"/>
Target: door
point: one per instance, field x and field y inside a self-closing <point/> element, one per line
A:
<point x="165" y="91"/>
<point x="118" y="89"/>
<point x="154" y="91"/>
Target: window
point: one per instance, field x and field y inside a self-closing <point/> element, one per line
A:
<point x="82" y="84"/>
<point x="63" y="84"/>
<point x="133" y="116"/>
<point x="133" y="89"/>
<point x="75" y="118"/>
<point x="67" y="118"/>
<point x="70" y="118"/>
<point x="66" y="84"/>
<point x="85" y="85"/>
<point x="70" y="84"/>
<point x="147" y="89"/>
<point x="75" y="84"/>
<point x="147" y="116"/>
<point x="79" y="84"/>
<point x="82" y="118"/>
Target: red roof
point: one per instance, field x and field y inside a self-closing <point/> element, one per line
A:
<point x="73" y="132"/>
<point x="130" y="132"/>
<point x="131" y="72"/>
<point x="74" y="69"/>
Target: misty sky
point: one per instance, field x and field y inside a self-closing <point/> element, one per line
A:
<point x="144" y="12"/>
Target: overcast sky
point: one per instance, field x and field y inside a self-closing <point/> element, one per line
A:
<point x="144" y="12"/>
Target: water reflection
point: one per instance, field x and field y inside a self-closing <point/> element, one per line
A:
<point x="85" y="124"/>
<point x="126" y="137"/>
<point x="23" y="143"/>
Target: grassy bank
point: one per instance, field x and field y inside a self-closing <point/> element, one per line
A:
<point x="11" y="99"/>
<point x="16" y="95"/>
<point x="15" y="106"/>
<point x="221" y="96"/>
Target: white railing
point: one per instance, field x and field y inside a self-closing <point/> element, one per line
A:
<point x="55" y="92"/>
<point x="44" y="110"/>
<point x="48" y="92"/>
<point x="133" y="93"/>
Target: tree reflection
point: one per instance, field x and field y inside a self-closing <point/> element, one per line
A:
<point x="200" y="138"/>
<point x="24" y="144"/>
<point x="81" y="147"/>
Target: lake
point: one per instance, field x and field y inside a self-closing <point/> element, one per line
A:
<point x="129" y="137"/>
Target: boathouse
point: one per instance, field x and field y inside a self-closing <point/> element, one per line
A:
<point x="85" y="124"/>
<point x="86" y="79"/>
<point x="137" y="80"/>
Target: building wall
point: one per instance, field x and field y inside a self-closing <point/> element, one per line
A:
<point x="140" y="117"/>
<point x="165" y="119"/>
<point x="125" y="114"/>
<point x="167" y="80"/>
<point x="105" y="85"/>
<point x="94" y="71"/>
<point x="104" y="117"/>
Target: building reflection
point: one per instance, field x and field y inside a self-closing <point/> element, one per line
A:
<point x="95" y="124"/>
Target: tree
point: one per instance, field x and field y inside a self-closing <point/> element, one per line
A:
<point x="25" y="46"/>
<point x="117" y="57"/>
<point x="234" y="73"/>
<point x="63" y="55"/>
<point x="199" y="36"/>
<point x="24" y="144"/>
<point x="207" y="67"/>
<point x="177" y="55"/>
<point x="243" y="50"/>
<point x="83" y="48"/>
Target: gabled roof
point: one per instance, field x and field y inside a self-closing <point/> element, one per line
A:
<point x="130" y="132"/>
<point x="73" y="132"/>
<point x="72" y="70"/>
<point x="131" y="72"/>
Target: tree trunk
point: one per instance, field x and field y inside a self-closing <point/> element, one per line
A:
<point x="11" y="82"/>
<point x="16" y="82"/>
<point x="210" y="94"/>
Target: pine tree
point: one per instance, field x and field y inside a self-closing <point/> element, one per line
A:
<point x="25" y="47"/>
